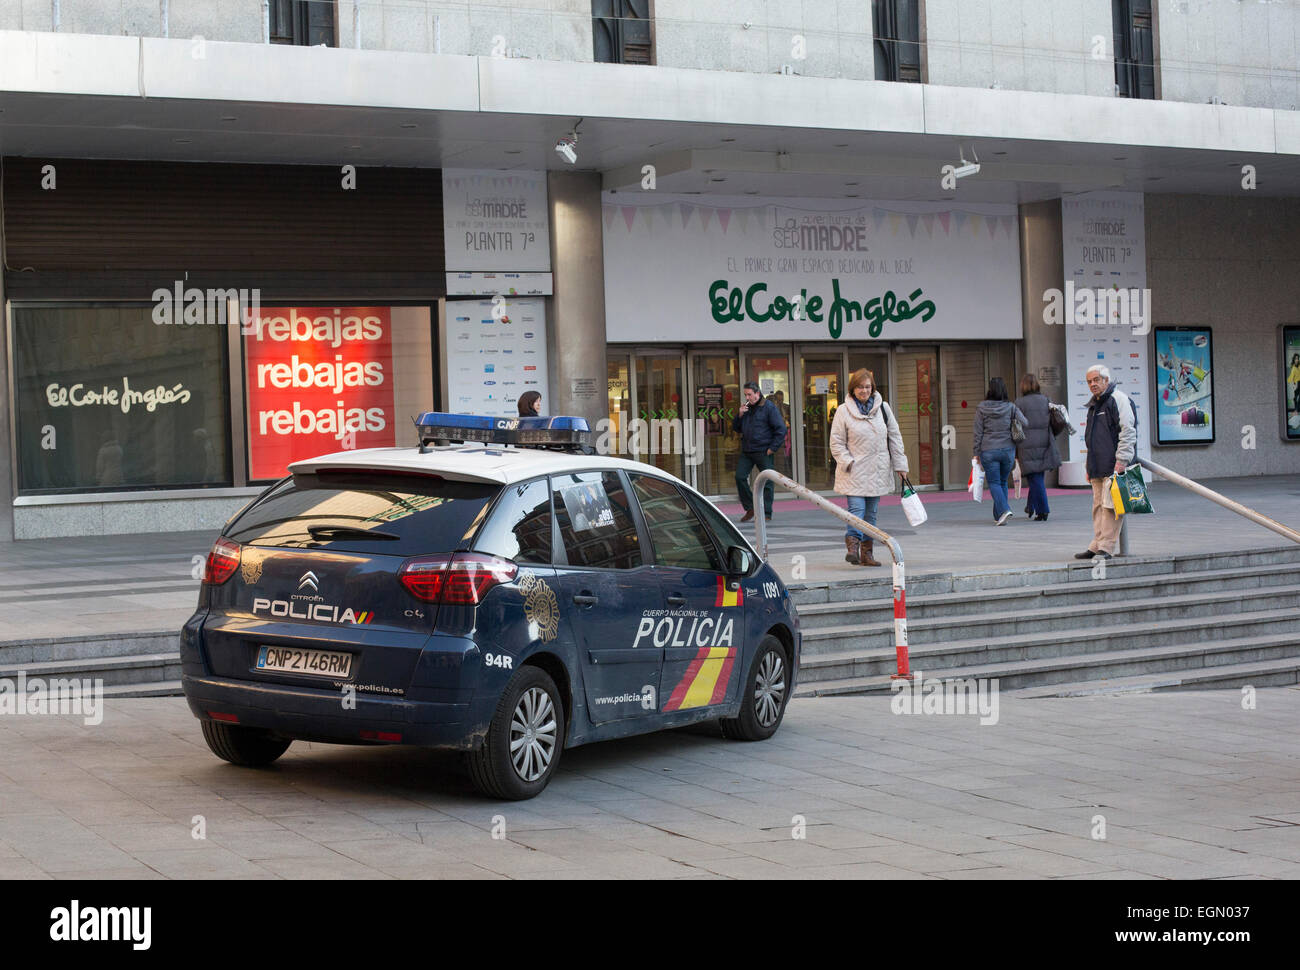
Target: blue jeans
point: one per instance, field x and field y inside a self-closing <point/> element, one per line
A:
<point x="864" y="507"/>
<point x="997" y="469"/>
<point x="744" y="464"/>
<point x="1037" y="494"/>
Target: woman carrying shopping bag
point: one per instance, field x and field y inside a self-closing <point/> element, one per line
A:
<point x="995" y="443"/>
<point x="868" y="449"/>
<point x="1038" y="453"/>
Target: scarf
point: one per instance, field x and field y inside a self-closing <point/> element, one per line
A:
<point x="866" y="407"/>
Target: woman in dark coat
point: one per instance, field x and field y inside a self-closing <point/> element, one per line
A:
<point x="530" y="404"/>
<point x="1038" y="452"/>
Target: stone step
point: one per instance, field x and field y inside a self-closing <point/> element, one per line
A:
<point x="1262" y="673"/>
<point x="881" y="661"/>
<point x="877" y="585"/>
<point x="21" y="652"/>
<point x="820" y="615"/>
<point x="1167" y="664"/>
<point x="112" y="671"/>
<point x="1033" y="623"/>
<point x="158" y="688"/>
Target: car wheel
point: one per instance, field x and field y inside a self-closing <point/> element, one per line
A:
<point x="246" y="746"/>
<point x="763" y="704"/>
<point x="524" y="740"/>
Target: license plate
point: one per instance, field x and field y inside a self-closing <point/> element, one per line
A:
<point x="312" y="663"/>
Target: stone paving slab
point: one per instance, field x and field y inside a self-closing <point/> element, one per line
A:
<point x="846" y="790"/>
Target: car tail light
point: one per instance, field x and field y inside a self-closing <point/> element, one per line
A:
<point x="380" y="736"/>
<point x="222" y="562"/>
<point x="228" y="718"/>
<point x="462" y="579"/>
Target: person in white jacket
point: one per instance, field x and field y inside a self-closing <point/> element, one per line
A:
<point x="868" y="449"/>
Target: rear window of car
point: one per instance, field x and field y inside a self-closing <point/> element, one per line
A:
<point x="392" y="515"/>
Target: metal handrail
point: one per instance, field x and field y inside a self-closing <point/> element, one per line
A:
<point x="1208" y="493"/>
<point x="895" y="553"/>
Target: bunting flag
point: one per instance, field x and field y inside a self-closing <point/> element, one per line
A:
<point x="879" y="216"/>
<point x="1009" y="224"/>
<point x="724" y="219"/>
<point x="648" y="217"/>
<point x="666" y="213"/>
<point x="705" y="216"/>
<point x="927" y="220"/>
<point x="894" y="221"/>
<point x="686" y="211"/>
<point x="611" y="213"/>
<point x="976" y="221"/>
<point x="943" y="220"/>
<point x="912" y="220"/>
<point x="992" y="223"/>
<point x="959" y="220"/>
<point x="629" y="216"/>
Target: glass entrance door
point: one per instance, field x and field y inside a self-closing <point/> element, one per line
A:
<point x="717" y="395"/>
<point x="660" y="386"/>
<point x="916" y="406"/>
<point x="821" y="383"/>
<point x="770" y="370"/>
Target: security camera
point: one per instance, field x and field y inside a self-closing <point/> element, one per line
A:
<point x="969" y="168"/>
<point x="567" y="146"/>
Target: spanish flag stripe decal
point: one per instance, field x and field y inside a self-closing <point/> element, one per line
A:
<point x="679" y="692"/>
<point x="728" y="597"/>
<point x="720" y="691"/>
<point x="701" y="690"/>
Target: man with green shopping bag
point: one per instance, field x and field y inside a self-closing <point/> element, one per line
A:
<point x="1111" y="439"/>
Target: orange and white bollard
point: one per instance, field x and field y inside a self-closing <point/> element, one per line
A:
<point x="900" y="625"/>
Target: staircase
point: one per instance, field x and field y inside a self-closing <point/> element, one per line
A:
<point x="1151" y="623"/>
<point x="129" y="664"/>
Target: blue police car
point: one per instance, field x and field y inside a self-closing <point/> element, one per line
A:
<point x="494" y="591"/>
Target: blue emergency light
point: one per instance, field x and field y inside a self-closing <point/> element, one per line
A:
<point x="560" y="431"/>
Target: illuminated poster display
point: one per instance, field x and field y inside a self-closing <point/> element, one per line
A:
<point x="1184" y="386"/>
<point x="320" y="379"/>
<point x="1291" y="383"/>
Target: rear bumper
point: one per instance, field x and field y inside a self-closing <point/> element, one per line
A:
<point x="316" y="714"/>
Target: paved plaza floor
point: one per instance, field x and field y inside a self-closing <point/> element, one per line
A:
<point x="1169" y="786"/>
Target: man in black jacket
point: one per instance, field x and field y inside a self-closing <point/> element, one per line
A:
<point x="762" y="432"/>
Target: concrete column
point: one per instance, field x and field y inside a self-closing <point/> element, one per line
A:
<point x="7" y="456"/>
<point x="1042" y="267"/>
<point x="576" y="316"/>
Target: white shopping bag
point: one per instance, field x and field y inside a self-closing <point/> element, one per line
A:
<point x="975" y="485"/>
<point x="912" y="506"/>
<point x="1107" y="500"/>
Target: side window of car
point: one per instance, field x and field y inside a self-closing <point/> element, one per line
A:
<point x="678" y="536"/>
<point x="722" y="527"/>
<point x="596" y="525"/>
<point x="520" y="526"/>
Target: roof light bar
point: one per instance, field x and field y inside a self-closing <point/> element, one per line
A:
<point x="560" y="431"/>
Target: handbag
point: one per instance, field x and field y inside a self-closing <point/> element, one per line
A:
<point x="975" y="484"/>
<point x="1017" y="430"/>
<point x="1056" y="422"/>
<point x="1128" y="492"/>
<point x="912" y="506"/>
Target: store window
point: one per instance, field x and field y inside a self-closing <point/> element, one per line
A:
<point x="325" y="378"/>
<point x="107" y="399"/>
<point x="717" y="396"/>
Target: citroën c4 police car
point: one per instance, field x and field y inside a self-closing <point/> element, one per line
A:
<point x="494" y="591"/>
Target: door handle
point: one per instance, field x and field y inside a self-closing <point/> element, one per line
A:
<point x="676" y="599"/>
<point x="585" y="599"/>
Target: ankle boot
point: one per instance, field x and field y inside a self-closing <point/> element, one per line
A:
<point x="851" y="549"/>
<point x="864" y="554"/>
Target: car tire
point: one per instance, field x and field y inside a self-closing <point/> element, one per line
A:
<point x="768" y="690"/>
<point x="531" y="711"/>
<point x="245" y="746"/>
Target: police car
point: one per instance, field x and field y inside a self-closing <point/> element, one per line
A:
<point x="494" y="591"/>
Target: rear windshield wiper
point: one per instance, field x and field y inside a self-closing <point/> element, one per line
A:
<point x="348" y="532"/>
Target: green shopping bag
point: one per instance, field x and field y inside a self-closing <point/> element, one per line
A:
<point x="1129" y="492"/>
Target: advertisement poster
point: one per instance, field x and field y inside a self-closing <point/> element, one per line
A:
<point x="319" y="380"/>
<point x="496" y="221"/>
<point x="495" y="351"/>
<point x="1184" y="390"/>
<point x="1291" y="383"/>
<point x="680" y="269"/>
<point x="1103" y="240"/>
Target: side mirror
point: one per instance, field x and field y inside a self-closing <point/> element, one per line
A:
<point x="739" y="561"/>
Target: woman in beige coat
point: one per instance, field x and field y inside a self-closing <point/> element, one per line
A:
<point x="868" y="450"/>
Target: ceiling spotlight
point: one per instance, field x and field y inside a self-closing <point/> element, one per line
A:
<point x="567" y="146"/>
<point x="966" y="168"/>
